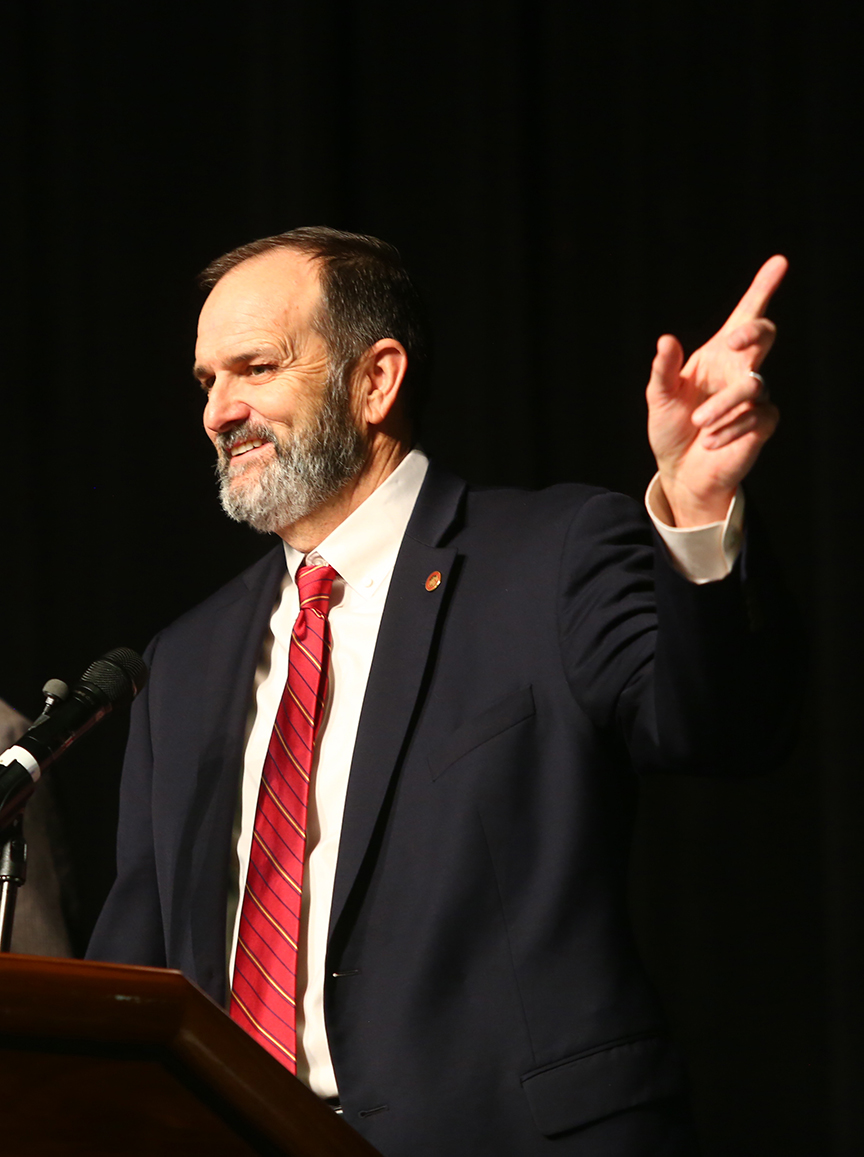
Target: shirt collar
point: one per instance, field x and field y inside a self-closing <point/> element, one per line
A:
<point x="363" y="548"/>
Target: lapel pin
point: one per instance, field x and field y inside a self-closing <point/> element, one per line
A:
<point x="433" y="580"/>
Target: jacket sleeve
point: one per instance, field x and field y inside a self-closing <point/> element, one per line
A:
<point x="696" y="678"/>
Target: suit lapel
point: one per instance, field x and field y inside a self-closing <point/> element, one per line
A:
<point x="402" y="654"/>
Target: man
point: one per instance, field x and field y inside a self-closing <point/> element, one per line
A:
<point x="439" y="938"/>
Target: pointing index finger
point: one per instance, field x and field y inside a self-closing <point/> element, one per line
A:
<point x="762" y="288"/>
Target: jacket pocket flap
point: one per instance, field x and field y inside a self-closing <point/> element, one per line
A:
<point x="582" y="1089"/>
<point x="507" y="712"/>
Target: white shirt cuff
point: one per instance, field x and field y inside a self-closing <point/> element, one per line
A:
<point x="703" y="554"/>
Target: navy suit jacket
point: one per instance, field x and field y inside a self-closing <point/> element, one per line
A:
<point x="483" y="995"/>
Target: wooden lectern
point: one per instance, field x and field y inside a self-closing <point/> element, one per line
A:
<point x="105" y="1059"/>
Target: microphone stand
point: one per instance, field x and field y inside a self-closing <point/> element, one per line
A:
<point x="13" y="873"/>
<point x="118" y="676"/>
<point x="13" y="846"/>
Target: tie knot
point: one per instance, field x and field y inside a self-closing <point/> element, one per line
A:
<point x="314" y="583"/>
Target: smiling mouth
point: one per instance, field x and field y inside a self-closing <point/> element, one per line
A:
<point x="245" y="447"/>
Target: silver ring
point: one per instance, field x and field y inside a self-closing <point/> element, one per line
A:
<point x="763" y="395"/>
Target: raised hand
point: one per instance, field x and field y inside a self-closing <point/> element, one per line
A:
<point x="708" y="418"/>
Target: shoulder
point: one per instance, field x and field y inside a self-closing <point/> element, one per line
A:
<point x="568" y="511"/>
<point x="259" y="582"/>
<point x="446" y="501"/>
<point x="564" y="499"/>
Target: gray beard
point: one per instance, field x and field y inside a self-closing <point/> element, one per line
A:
<point x="310" y="465"/>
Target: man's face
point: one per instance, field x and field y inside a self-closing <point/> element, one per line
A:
<point x="279" y="417"/>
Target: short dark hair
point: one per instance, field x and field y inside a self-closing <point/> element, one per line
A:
<point x="366" y="294"/>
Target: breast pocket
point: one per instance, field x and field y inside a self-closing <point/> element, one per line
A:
<point x="506" y="713"/>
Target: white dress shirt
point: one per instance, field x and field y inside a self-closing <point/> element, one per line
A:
<point x="362" y="550"/>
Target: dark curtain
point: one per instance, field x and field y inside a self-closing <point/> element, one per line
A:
<point x="568" y="181"/>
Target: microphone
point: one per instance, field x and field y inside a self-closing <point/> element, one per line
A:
<point x="114" y="679"/>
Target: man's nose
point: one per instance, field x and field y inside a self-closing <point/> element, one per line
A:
<point x="225" y="408"/>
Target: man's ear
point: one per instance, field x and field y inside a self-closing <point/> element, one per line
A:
<point x="378" y="379"/>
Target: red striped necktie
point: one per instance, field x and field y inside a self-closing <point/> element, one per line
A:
<point x="264" y="986"/>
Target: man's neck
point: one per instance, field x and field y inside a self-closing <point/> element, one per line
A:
<point x="383" y="458"/>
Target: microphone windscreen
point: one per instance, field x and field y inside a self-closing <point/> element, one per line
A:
<point x="119" y="674"/>
<point x="56" y="688"/>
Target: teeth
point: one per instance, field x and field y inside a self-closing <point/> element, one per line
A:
<point x="244" y="446"/>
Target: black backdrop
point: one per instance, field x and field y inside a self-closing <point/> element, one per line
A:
<point x="568" y="181"/>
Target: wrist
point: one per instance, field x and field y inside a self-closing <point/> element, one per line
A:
<point x="686" y="509"/>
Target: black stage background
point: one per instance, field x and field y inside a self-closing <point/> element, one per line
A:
<point x="568" y="182"/>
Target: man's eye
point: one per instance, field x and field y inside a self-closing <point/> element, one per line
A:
<point x="258" y="369"/>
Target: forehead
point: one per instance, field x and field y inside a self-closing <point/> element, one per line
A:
<point x="270" y="297"/>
